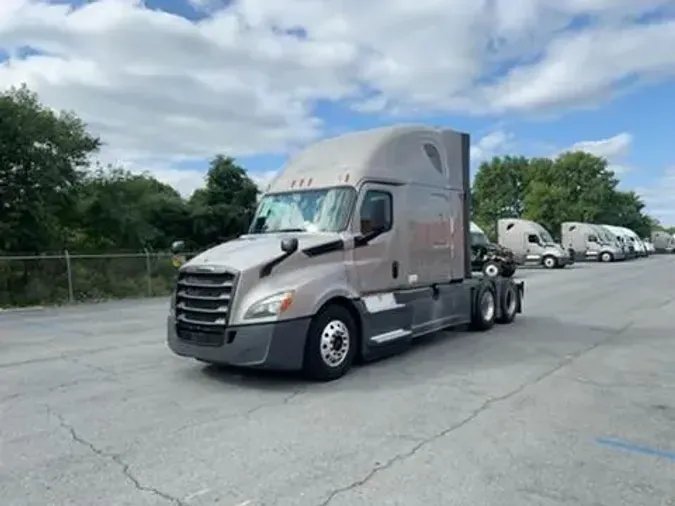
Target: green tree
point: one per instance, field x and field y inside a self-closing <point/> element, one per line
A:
<point x="625" y="209"/>
<point x="575" y="186"/>
<point x="42" y="156"/>
<point x="224" y="207"/>
<point x="499" y="191"/>
<point x="123" y="211"/>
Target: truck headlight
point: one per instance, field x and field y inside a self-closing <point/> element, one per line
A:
<point x="270" y="307"/>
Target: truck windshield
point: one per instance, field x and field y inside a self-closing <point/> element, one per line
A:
<point x="546" y="237"/>
<point x="478" y="238"/>
<point x="325" y="210"/>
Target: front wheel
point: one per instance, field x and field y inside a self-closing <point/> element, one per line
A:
<point x="331" y="344"/>
<point x="492" y="269"/>
<point x="550" y="262"/>
<point x="606" y="257"/>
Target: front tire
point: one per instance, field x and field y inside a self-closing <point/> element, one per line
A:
<point x="550" y="262"/>
<point x="606" y="257"/>
<point x="331" y="344"/>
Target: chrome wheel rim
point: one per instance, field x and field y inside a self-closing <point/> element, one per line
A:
<point x="335" y="343"/>
<point x="491" y="270"/>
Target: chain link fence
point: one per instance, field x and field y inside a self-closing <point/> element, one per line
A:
<point x="48" y="280"/>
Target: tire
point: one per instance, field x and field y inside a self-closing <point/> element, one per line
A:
<point x="508" y="271"/>
<point x="549" y="261"/>
<point x="508" y="303"/>
<point x="484" y="308"/>
<point x="333" y="327"/>
<point x="606" y="257"/>
<point x="492" y="269"/>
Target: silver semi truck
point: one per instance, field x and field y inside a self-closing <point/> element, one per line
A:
<point x="590" y="242"/>
<point x="359" y="246"/>
<point x="532" y="244"/>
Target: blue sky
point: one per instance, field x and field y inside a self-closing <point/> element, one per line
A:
<point x="169" y="82"/>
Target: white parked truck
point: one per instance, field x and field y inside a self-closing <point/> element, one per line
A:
<point x="664" y="242"/>
<point x="531" y="243"/>
<point x="359" y="246"/>
<point x="589" y="242"/>
<point x="630" y="239"/>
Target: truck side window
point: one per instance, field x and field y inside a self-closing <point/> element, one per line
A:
<point x="592" y="238"/>
<point x="533" y="239"/>
<point x="366" y="212"/>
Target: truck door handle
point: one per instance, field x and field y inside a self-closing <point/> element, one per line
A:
<point x="394" y="270"/>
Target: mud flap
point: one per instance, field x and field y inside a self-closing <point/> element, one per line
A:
<point x="520" y="288"/>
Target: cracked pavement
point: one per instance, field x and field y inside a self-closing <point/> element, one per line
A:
<point x="94" y="409"/>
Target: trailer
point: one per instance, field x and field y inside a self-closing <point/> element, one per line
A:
<point x="532" y="244"/>
<point x="663" y="241"/>
<point x="589" y="242"/>
<point x="358" y="247"/>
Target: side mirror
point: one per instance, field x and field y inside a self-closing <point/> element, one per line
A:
<point x="289" y="245"/>
<point x="177" y="246"/>
<point x="379" y="216"/>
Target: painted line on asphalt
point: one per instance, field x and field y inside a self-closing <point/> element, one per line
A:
<point x="634" y="448"/>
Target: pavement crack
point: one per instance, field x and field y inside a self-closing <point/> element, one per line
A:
<point x="571" y="357"/>
<point x="283" y="402"/>
<point x="245" y="414"/>
<point x="116" y="459"/>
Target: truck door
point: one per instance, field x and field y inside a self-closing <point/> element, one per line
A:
<point x="378" y="265"/>
<point x="592" y="246"/>
<point x="533" y="247"/>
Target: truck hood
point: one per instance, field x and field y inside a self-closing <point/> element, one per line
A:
<point x="249" y="251"/>
<point x="498" y="249"/>
<point x="556" y="248"/>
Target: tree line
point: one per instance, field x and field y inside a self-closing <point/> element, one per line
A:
<point x="55" y="197"/>
<point x="574" y="186"/>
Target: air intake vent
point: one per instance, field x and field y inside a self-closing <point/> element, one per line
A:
<point x="202" y="305"/>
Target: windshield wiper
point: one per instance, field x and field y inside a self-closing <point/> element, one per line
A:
<point x="287" y="230"/>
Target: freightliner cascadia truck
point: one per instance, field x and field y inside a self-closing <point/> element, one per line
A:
<point x="360" y="245"/>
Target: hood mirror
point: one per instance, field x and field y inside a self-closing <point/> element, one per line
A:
<point x="177" y="246"/>
<point x="289" y="245"/>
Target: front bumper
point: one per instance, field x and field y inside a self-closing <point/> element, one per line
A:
<point x="566" y="260"/>
<point x="274" y="346"/>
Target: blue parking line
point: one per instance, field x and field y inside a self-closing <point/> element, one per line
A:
<point x="630" y="447"/>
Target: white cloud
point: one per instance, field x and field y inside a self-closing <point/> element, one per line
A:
<point x="660" y="197"/>
<point x="158" y="87"/>
<point x="614" y="149"/>
<point x="611" y="148"/>
<point x="493" y="144"/>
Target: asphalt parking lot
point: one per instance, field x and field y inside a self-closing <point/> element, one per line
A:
<point x="572" y="404"/>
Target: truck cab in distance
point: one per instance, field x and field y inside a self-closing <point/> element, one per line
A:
<point x="359" y="245"/>
<point x="627" y="238"/>
<point x="532" y="244"/>
<point x="589" y="242"/>
<point x="489" y="258"/>
<point x="663" y="242"/>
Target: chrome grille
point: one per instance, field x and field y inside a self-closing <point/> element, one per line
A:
<point x="202" y="305"/>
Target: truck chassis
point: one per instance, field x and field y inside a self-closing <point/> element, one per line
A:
<point x="345" y="331"/>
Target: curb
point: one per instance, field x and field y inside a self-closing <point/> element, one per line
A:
<point x="21" y="309"/>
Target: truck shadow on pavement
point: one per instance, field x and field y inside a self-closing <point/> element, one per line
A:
<point x="533" y="342"/>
